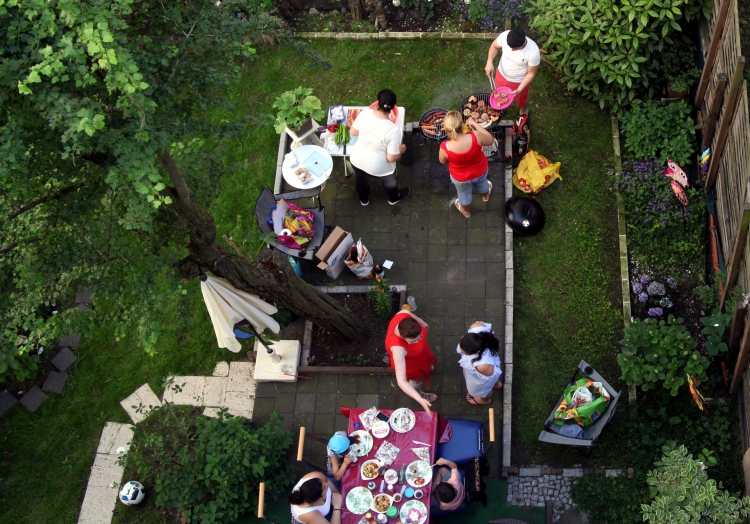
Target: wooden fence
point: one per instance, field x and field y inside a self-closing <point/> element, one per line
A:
<point x="722" y="99"/>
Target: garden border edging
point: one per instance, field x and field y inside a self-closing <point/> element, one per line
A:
<point x="396" y="35"/>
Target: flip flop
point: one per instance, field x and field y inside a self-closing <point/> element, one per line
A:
<point x="473" y="402"/>
<point x="487" y="199"/>
<point x="458" y="206"/>
<point x="429" y="397"/>
<point x="498" y="386"/>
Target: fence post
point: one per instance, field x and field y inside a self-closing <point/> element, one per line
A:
<point x="739" y="368"/>
<point x="713" y="114"/>
<point x="735" y="332"/>
<point x="726" y="119"/>
<point x="733" y="269"/>
<point x="713" y="49"/>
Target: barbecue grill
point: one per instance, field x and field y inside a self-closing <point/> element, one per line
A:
<point x="486" y="98"/>
<point x="440" y="134"/>
<point x="491" y="152"/>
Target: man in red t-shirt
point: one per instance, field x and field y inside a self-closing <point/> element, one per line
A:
<point x="410" y="356"/>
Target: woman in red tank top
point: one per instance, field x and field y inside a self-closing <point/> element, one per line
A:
<point x="466" y="161"/>
<point x="410" y="356"/>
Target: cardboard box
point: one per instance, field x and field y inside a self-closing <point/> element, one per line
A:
<point x="333" y="252"/>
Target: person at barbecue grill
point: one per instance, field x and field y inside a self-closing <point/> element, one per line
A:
<point x="518" y="65"/>
<point x="377" y="149"/>
<point x="467" y="164"/>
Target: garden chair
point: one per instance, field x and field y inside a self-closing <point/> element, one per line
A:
<point x="273" y="506"/>
<point x="470" y="439"/>
<point x="550" y="433"/>
<point x="265" y="203"/>
<point x="312" y="450"/>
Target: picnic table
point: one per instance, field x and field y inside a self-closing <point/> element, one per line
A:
<point x="425" y="430"/>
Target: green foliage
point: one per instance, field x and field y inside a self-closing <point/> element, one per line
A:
<point x="18" y="363"/>
<point x="426" y="7"/>
<point x="209" y="468"/>
<point x="609" y="50"/>
<point x="717" y="330"/>
<point x="683" y="493"/>
<point x="382" y="296"/>
<point x="661" y="231"/>
<point x="678" y="65"/>
<point x="658" y="131"/>
<point x="611" y="500"/>
<point x="660" y="353"/>
<point x="295" y="107"/>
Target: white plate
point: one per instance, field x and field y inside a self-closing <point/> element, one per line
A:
<point x="390" y="502"/>
<point x="403" y="420"/>
<point x="359" y="500"/>
<point x="423" y="470"/>
<point x="413" y="504"/>
<point x="380" y="429"/>
<point x="362" y="468"/>
<point x="391" y="476"/>
<point x="363" y="447"/>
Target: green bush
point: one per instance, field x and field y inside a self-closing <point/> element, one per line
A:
<point x="658" y="131"/>
<point x="660" y="353"/>
<point x="426" y="7"/>
<point x="16" y="363"/>
<point x="609" y="50"/>
<point x="208" y="468"/>
<point x="661" y="231"/>
<point x="611" y="500"/>
<point x="683" y="493"/>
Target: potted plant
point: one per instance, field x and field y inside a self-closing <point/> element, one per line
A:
<point x="298" y="110"/>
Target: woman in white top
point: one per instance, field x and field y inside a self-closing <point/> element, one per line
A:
<point x="315" y="500"/>
<point x="480" y="362"/>
<point x="377" y="149"/>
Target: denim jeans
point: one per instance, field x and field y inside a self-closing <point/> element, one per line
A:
<point x="464" y="189"/>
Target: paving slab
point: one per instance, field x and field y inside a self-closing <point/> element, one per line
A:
<point x="100" y="499"/>
<point x="7" y="401"/>
<point x="70" y="341"/>
<point x="55" y="382"/>
<point x="186" y="391"/>
<point x="144" y="396"/>
<point x="33" y="399"/>
<point x="241" y="377"/>
<point x="64" y="359"/>
<point x="221" y="369"/>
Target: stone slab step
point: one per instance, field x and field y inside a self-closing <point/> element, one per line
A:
<point x="144" y="396"/>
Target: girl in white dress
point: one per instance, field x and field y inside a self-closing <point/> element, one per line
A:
<point x="315" y="500"/>
<point x="480" y="362"/>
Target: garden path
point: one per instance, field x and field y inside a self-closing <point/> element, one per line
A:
<point x="453" y="266"/>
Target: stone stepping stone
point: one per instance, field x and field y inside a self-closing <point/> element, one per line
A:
<point x="144" y="396"/>
<point x="33" y="399"/>
<point x="83" y="295"/>
<point x="55" y="382"/>
<point x="7" y="401"/>
<point x="197" y="391"/>
<point x="70" y="341"/>
<point x="83" y="308"/>
<point x="64" y="359"/>
<point x="100" y="498"/>
<point x="221" y="369"/>
<point x="114" y="435"/>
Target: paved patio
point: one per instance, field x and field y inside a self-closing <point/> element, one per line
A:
<point x="453" y="266"/>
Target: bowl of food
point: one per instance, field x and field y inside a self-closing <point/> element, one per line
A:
<point x="381" y="502"/>
<point x="369" y="470"/>
<point x="391" y="476"/>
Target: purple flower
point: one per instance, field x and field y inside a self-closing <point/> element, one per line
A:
<point x="637" y="287"/>
<point x="672" y="282"/>
<point x="643" y="297"/>
<point x="645" y="279"/>
<point x="655" y="312"/>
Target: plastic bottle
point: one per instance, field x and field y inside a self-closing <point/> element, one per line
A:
<point x="401" y="474"/>
<point x="412" y="303"/>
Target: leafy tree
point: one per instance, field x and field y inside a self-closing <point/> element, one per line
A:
<point x="683" y="493"/>
<point x="96" y="95"/>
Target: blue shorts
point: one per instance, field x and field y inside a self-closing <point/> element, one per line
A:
<point x="464" y="189"/>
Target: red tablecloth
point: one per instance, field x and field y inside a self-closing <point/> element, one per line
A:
<point x="425" y="430"/>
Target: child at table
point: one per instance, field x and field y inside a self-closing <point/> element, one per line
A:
<point x="449" y="492"/>
<point x="338" y="445"/>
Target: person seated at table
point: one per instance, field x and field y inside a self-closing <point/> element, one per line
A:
<point x="449" y="492"/>
<point x="480" y="362"/>
<point x="377" y="149"/>
<point x="315" y="499"/>
<point x="338" y="445"/>
<point x="410" y="356"/>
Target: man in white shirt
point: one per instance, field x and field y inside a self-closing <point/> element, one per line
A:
<point x="518" y="65"/>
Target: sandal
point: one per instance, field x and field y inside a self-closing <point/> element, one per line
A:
<point x="487" y="198"/>
<point x="429" y="397"/>
<point x="473" y="402"/>
<point x="458" y="206"/>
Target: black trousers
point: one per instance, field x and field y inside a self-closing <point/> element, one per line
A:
<point x="364" y="181"/>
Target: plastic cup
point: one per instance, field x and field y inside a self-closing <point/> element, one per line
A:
<point x="397" y="497"/>
<point x="409" y="493"/>
<point x="418" y="494"/>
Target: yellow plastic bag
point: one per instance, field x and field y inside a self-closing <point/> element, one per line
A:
<point x="535" y="172"/>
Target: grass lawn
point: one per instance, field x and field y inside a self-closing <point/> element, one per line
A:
<point x="566" y="278"/>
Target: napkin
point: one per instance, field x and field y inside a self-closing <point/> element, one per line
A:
<point x="369" y="418"/>
<point x="422" y="453"/>
<point x="387" y="453"/>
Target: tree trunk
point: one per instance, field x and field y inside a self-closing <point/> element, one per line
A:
<point x="355" y="8"/>
<point x="271" y="277"/>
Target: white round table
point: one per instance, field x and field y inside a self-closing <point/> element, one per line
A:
<point x="303" y="153"/>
